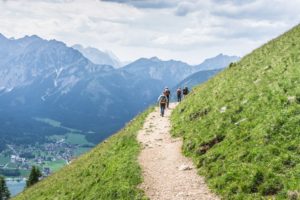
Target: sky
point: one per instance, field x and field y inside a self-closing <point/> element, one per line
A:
<point x="187" y="30"/>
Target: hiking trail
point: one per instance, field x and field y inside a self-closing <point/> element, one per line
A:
<point x="167" y="173"/>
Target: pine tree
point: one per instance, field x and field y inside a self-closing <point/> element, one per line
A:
<point x="4" y="192"/>
<point x="34" y="176"/>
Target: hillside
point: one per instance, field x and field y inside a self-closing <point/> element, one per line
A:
<point x="109" y="171"/>
<point x="242" y="127"/>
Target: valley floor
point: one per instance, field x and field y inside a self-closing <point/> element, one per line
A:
<point x="167" y="173"/>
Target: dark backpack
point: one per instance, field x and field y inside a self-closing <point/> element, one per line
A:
<point x="163" y="100"/>
<point x="178" y="92"/>
<point x="167" y="92"/>
<point x="185" y="91"/>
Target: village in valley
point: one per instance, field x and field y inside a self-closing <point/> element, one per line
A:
<point x="16" y="161"/>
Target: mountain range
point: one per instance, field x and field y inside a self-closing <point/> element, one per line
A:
<point x="99" y="57"/>
<point x="197" y="78"/>
<point x="46" y="79"/>
<point x="217" y="62"/>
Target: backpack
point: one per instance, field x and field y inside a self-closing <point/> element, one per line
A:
<point x="185" y="91"/>
<point x="178" y="92"/>
<point x="167" y="92"/>
<point x="163" y="100"/>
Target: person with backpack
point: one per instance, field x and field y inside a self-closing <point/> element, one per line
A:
<point x="162" y="101"/>
<point x="185" y="91"/>
<point x="167" y="94"/>
<point x="179" y="92"/>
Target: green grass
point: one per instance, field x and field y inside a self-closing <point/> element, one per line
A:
<point x="56" y="137"/>
<point x="109" y="171"/>
<point x="4" y="159"/>
<point x="56" y="124"/>
<point x="81" y="150"/>
<point x="74" y="138"/>
<point x="12" y="165"/>
<point x="56" y="165"/>
<point x="252" y="150"/>
<point x="24" y="173"/>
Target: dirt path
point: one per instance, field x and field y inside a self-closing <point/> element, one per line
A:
<point x="167" y="173"/>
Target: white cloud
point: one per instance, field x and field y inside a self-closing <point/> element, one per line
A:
<point x="147" y="4"/>
<point x="188" y="30"/>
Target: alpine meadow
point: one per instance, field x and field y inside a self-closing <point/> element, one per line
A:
<point x="242" y="127"/>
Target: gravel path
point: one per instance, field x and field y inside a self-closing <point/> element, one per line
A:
<point x="167" y="173"/>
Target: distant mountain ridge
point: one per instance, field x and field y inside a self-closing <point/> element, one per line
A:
<point x="99" y="57"/>
<point x="171" y="72"/>
<point x="197" y="78"/>
<point x="40" y="58"/>
<point x="167" y="72"/>
<point x="217" y="62"/>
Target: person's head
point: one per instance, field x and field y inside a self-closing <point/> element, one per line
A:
<point x="179" y="88"/>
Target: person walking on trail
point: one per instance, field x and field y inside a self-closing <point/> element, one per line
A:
<point x="167" y="94"/>
<point x="162" y="101"/>
<point x="179" y="92"/>
<point x="185" y="91"/>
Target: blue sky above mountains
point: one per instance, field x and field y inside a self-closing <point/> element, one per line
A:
<point x="188" y="30"/>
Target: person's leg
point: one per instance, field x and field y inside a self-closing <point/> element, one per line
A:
<point x="168" y="97"/>
<point x="161" y="110"/>
<point x="163" y="106"/>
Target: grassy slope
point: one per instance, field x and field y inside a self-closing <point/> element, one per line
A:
<point x="109" y="171"/>
<point x="258" y="136"/>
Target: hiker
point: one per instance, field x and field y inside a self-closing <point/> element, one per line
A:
<point x="167" y="94"/>
<point x="162" y="101"/>
<point x="185" y="91"/>
<point x="179" y="95"/>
